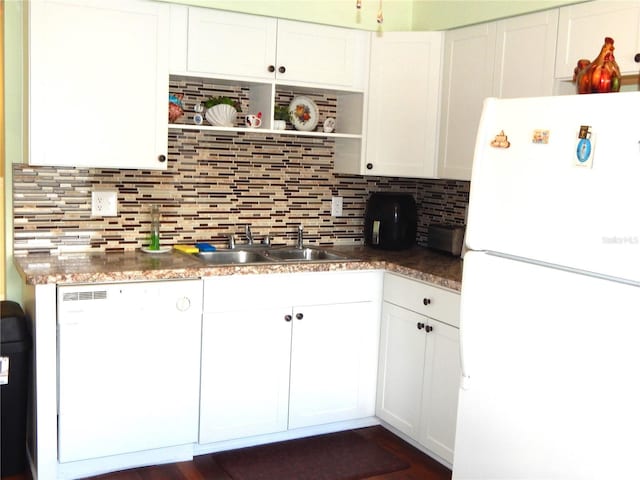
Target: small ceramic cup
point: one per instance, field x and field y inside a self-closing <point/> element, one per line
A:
<point x="252" y="121"/>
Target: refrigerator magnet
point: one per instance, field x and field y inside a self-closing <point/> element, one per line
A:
<point x="500" y="141"/>
<point x="540" y="137"/>
<point x="584" y="147"/>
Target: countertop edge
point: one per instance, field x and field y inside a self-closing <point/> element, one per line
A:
<point x="446" y="271"/>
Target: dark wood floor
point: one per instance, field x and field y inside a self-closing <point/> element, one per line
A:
<point x="204" y="467"/>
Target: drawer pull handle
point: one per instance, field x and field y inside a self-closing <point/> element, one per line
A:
<point x="271" y="68"/>
<point x="420" y="325"/>
<point x="426" y="301"/>
<point x="428" y="328"/>
<point x="282" y="69"/>
<point x="287" y="318"/>
<point x="299" y="316"/>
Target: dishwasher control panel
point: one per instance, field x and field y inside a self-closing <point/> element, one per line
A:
<point x="179" y="296"/>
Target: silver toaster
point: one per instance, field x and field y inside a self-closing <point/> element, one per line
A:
<point x="447" y="238"/>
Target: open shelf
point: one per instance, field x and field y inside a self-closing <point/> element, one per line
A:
<point x="266" y="131"/>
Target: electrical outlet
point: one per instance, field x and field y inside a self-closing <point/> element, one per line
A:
<point x="104" y="203"/>
<point x="336" y="206"/>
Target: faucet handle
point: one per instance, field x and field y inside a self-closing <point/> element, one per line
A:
<point x="232" y="241"/>
<point x="248" y="234"/>
<point x="300" y="242"/>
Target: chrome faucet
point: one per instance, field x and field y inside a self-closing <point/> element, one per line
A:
<point x="232" y="241"/>
<point x="300" y="236"/>
<point x="247" y="231"/>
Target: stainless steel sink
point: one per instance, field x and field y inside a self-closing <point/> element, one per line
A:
<point x="267" y="255"/>
<point x="230" y="257"/>
<point x="302" y="254"/>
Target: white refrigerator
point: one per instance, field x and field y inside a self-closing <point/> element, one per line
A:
<point x="550" y="307"/>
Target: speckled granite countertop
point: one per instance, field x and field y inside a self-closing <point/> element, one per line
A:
<point x="419" y="263"/>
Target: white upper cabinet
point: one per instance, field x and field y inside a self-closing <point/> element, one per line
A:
<point x="508" y="58"/>
<point x="223" y="44"/>
<point x="525" y="55"/>
<point x="99" y="71"/>
<point x="468" y="64"/>
<point x="232" y="44"/>
<point x="403" y="107"/>
<point x="322" y="55"/>
<point x="583" y="27"/>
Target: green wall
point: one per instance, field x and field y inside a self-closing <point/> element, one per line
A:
<point x="398" y="14"/>
<point x="446" y="14"/>
<point x="14" y="82"/>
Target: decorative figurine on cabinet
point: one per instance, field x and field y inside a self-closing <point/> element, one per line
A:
<point x="600" y="76"/>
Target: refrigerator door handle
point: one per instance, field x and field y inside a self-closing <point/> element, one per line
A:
<point x="465" y="378"/>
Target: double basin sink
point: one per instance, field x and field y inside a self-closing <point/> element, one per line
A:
<point x="242" y="255"/>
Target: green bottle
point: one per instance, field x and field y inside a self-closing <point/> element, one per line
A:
<point x="154" y="236"/>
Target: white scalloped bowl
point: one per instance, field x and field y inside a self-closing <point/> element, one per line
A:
<point x="221" y="115"/>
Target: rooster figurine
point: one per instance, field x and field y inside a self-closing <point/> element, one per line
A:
<point x="600" y="76"/>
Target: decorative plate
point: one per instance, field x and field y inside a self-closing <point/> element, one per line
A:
<point x="304" y="113"/>
<point x="160" y="250"/>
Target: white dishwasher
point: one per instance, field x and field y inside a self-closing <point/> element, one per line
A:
<point x="128" y="367"/>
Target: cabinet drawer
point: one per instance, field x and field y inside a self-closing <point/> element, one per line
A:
<point x="422" y="298"/>
<point x="238" y="292"/>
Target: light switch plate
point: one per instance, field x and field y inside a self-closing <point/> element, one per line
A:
<point x="336" y="206"/>
<point x="104" y="203"/>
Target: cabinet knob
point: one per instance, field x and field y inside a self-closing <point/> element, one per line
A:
<point x="637" y="58"/>
<point x="420" y="325"/>
<point x="428" y="328"/>
<point x="271" y="68"/>
<point x="426" y="301"/>
<point x="299" y="316"/>
<point x="282" y="69"/>
<point x="162" y="158"/>
<point x="287" y="318"/>
<point x="369" y="166"/>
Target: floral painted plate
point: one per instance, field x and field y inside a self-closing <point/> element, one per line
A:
<point x="304" y="113"/>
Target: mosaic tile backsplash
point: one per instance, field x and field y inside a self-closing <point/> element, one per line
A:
<point x="214" y="185"/>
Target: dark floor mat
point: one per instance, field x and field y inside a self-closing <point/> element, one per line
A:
<point x="337" y="456"/>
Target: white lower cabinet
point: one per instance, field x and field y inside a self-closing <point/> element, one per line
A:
<point x="287" y="351"/>
<point x="419" y="365"/>
<point x="245" y="374"/>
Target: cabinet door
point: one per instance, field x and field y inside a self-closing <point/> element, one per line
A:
<point x="525" y="55"/>
<point x="400" y="370"/>
<point x="321" y="54"/>
<point x="582" y="29"/>
<point x="98" y="83"/>
<point x="440" y="389"/>
<point x="333" y="363"/>
<point x="230" y="44"/>
<point x="245" y="373"/>
<point x="468" y="65"/>
<point x="403" y="108"/>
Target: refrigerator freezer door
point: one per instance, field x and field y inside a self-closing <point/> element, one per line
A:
<point x="532" y="200"/>
<point x="551" y="361"/>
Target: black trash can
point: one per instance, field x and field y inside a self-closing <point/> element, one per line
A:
<point x="15" y="356"/>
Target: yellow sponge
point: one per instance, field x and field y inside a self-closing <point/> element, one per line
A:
<point x="186" y="248"/>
